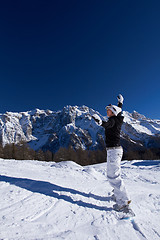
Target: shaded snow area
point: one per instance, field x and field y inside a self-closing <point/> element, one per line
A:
<point x="47" y="200"/>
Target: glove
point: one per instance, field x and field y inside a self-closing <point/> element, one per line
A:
<point x="97" y="119"/>
<point x="120" y="98"/>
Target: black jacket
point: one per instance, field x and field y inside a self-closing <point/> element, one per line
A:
<point x="112" y="130"/>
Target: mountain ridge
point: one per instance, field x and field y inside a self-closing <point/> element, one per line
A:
<point x="73" y="125"/>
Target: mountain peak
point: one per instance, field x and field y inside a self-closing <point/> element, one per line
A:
<point x="137" y="115"/>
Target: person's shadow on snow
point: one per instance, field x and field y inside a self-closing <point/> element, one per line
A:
<point x="49" y="189"/>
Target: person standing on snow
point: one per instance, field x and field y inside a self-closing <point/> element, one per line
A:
<point x="114" y="153"/>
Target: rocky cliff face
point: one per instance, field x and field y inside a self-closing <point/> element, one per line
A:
<point x="73" y="125"/>
<point x="52" y="130"/>
<point x="140" y="131"/>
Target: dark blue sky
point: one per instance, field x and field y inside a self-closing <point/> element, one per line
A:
<point x="58" y="53"/>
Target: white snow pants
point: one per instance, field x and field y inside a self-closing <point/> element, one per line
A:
<point x="114" y="156"/>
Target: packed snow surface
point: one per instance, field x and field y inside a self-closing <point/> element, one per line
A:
<point x="47" y="200"/>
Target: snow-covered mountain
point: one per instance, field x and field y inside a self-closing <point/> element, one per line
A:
<point x="73" y="126"/>
<point x="140" y="131"/>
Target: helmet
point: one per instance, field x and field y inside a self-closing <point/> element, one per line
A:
<point x="116" y="110"/>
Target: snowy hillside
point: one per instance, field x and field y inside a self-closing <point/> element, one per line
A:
<point x="73" y="125"/>
<point x="44" y="201"/>
<point x="138" y="127"/>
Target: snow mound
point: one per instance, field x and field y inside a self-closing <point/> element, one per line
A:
<point x="47" y="200"/>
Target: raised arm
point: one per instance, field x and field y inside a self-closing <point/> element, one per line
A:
<point x="120" y="100"/>
<point x="109" y="124"/>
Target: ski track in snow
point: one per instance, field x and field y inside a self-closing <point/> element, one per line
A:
<point x="47" y="200"/>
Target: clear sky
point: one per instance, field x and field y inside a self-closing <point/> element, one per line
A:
<point x="80" y="52"/>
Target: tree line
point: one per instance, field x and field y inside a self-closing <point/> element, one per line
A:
<point x="146" y="154"/>
<point x="22" y="151"/>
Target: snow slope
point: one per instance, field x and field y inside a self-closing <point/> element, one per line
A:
<point x="47" y="200"/>
<point x="137" y="126"/>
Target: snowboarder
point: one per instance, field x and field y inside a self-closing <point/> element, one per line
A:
<point x="114" y="153"/>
